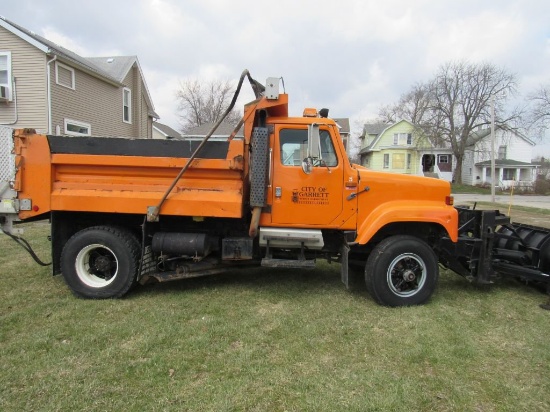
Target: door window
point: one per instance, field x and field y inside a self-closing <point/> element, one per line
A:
<point x="293" y="148"/>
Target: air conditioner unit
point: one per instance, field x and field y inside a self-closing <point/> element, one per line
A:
<point x="4" y="93"/>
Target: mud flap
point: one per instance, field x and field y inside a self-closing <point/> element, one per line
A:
<point x="344" y="252"/>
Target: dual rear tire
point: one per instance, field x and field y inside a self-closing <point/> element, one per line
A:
<point x="101" y="262"/>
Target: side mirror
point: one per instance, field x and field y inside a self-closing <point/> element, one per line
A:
<point x="313" y="141"/>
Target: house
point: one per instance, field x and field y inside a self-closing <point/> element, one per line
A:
<point x="513" y="154"/>
<point x="344" y="129"/>
<point x="223" y="131"/>
<point x="399" y="148"/>
<point x="53" y="90"/>
<point x="162" y="131"/>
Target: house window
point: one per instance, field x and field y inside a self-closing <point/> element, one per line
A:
<point x="443" y="159"/>
<point x="398" y="161"/>
<point x="127" y="105"/>
<point x="409" y="158"/>
<point x="502" y="152"/>
<point x="5" y="74"/>
<point x="509" y="174"/>
<point x="75" y="128"/>
<point x="386" y="161"/>
<point x="402" y="139"/>
<point x="64" y="75"/>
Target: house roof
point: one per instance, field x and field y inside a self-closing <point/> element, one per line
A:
<point x="166" y="130"/>
<point x="93" y="66"/>
<point x="115" y="66"/>
<point x="506" y="162"/>
<point x="224" y="130"/>
<point x="477" y="136"/>
<point x="344" y="125"/>
<point x="483" y="133"/>
<point x="374" y="128"/>
<point x="377" y="129"/>
<point x="50" y="47"/>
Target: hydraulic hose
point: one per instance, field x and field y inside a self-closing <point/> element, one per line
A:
<point x="25" y="245"/>
<point x="153" y="213"/>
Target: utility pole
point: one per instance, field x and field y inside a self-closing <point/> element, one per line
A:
<point x="493" y="149"/>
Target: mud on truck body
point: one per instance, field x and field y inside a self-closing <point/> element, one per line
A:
<point x="127" y="211"/>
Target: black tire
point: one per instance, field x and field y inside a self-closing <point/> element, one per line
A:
<point x="401" y="271"/>
<point x="101" y="262"/>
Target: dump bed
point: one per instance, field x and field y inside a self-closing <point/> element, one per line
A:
<point x="118" y="175"/>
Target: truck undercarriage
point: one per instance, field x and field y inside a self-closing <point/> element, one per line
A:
<point x="489" y="247"/>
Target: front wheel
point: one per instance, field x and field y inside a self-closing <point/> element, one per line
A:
<point x="101" y="262"/>
<point x="401" y="271"/>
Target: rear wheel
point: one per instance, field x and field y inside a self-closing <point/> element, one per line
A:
<point x="401" y="271"/>
<point x="101" y="262"/>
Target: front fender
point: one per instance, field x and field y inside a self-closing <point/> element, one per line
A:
<point x="405" y="211"/>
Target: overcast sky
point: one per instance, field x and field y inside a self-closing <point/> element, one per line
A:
<point x="351" y="56"/>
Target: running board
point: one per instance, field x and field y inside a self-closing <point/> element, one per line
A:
<point x="288" y="263"/>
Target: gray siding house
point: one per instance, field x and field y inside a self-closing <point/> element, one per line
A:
<point x="162" y="131"/>
<point x="53" y="90"/>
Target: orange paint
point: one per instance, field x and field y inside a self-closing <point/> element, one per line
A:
<point x="337" y="196"/>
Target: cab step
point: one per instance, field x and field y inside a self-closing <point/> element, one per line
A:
<point x="288" y="263"/>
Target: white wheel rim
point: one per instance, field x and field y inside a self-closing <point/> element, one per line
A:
<point x="406" y="275"/>
<point x="96" y="265"/>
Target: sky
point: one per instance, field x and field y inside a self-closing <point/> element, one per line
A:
<point x="351" y="56"/>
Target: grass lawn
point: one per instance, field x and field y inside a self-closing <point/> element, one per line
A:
<point x="458" y="188"/>
<point x="266" y="340"/>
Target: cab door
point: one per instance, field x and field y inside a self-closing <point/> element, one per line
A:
<point x="300" y="198"/>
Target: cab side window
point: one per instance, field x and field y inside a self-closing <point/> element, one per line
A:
<point x="293" y="148"/>
<point x="328" y="155"/>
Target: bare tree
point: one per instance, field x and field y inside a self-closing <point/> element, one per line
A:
<point x="457" y="101"/>
<point x="412" y="106"/>
<point x="539" y="116"/>
<point x="204" y="102"/>
<point x="354" y="144"/>
<point x="417" y="107"/>
<point x="463" y="95"/>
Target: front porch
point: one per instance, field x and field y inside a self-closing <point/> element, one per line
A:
<point x="508" y="173"/>
<point x="437" y="163"/>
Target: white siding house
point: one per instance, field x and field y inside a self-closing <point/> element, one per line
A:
<point x="513" y="154"/>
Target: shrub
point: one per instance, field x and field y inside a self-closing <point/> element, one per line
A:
<point x="542" y="186"/>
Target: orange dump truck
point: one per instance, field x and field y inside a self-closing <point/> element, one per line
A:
<point x="127" y="211"/>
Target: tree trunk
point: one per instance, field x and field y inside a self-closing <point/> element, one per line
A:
<point x="457" y="174"/>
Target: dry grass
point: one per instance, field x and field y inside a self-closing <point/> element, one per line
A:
<point x="266" y="340"/>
